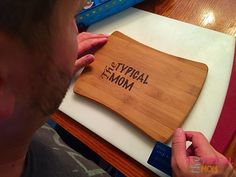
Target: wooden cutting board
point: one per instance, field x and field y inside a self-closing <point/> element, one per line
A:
<point x="152" y="90"/>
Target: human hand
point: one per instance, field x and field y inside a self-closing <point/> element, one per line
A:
<point x="88" y="43"/>
<point x="199" y="160"/>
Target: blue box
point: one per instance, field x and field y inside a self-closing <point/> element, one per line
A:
<point x="96" y="10"/>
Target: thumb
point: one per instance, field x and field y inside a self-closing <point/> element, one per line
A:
<point x="179" y="153"/>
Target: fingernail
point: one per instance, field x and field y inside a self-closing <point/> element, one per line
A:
<point x="89" y="58"/>
<point x="179" y="131"/>
<point x="107" y="35"/>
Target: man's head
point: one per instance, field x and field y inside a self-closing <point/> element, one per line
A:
<point x="24" y="19"/>
<point x="38" y="49"/>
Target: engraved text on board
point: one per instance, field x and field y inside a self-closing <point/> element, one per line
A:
<point x="124" y="76"/>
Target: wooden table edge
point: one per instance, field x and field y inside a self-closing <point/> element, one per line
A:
<point x="124" y="163"/>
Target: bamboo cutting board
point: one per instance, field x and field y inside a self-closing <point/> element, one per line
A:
<point x="152" y="90"/>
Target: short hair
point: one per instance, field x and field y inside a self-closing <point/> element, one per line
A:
<point x="27" y="20"/>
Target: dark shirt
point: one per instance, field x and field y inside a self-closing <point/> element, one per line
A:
<point x="49" y="156"/>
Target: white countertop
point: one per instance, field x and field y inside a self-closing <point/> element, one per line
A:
<point x="173" y="37"/>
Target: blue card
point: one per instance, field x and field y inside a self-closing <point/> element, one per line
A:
<point x="160" y="158"/>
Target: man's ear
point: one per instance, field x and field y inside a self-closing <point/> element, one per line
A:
<point x="7" y="100"/>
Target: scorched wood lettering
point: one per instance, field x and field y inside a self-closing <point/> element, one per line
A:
<point x="123" y="75"/>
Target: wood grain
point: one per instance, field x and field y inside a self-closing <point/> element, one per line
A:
<point x="218" y="15"/>
<point x="158" y="102"/>
<point x="128" y="166"/>
<point x="196" y="64"/>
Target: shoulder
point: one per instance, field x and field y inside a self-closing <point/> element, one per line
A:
<point x="48" y="155"/>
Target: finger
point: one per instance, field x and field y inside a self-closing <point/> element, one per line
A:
<point x="179" y="144"/>
<point x="85" y="36"/>
<point x="178" y="159"/>
<point x="190" y="151"/>
<point x="202" y="147"/>
<point x="83" y="61"/>
<point x="90" y="44"/>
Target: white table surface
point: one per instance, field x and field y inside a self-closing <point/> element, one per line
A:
<point x="173" y="37"/>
